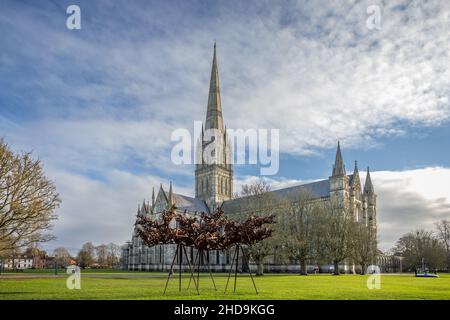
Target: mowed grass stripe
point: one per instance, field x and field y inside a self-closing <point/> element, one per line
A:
<point x="151" y="285"/>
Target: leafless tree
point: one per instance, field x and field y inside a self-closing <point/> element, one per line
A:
<point x="297" y="228"/>
<point x="443" y="228"/>
<point x="335" y="228"/>
<point x="101" y="253"/>
<point x="37" y="255"/>
<point x="419" y="247"/>
<point x="62" y="256"/>
<point x="364" y="246"/>
<point x="86" y="256"/>
<point x="113" y="254"/>
<point x="27" y="200"/>
<point x="255" y="198"/>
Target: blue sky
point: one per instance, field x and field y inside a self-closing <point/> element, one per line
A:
<point x="97" y="105"/>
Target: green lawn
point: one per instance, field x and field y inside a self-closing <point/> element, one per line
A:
<point x="97" y="285"/>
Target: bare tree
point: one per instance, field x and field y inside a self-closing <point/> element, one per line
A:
<point x="62" y="256"/>
<point x="37" y="255"/>
<point x="335" y="229"/>
<point x="421" y="247"/>
<point x="101" y="252"/>
<point x="86" y="256"/>
<point x="297" y="228"/>
<point x="113" y="254"/>
<point x="364" y="246"/>
<point x="256" y="199"/>
<point x="27" y="200"/>
<point x="443" y="228"/>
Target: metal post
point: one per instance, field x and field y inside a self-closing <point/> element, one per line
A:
<point x="181" y="260"/>
<point x="236" y="269"/>
<point x="231" y="269"/>
<point x="247" y="259"/>
<point x="191" y="268"/>
<point x="209" y="268"/>
<point x="171" y="270"/>
<point x="200" y="257"/>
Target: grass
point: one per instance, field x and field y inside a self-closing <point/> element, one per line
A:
<point x="108" y="285"/>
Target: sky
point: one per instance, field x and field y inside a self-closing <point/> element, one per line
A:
<point x="98" y="105"/>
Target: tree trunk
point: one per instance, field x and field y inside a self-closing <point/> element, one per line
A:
<point x="448" y="262"/>
<point x="303" y="268"/>
<point x="363" y="268"/>
<point x="336" y="268"/>
<point x="260" y="268"/>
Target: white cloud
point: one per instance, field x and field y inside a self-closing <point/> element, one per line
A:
<point x="321" y="77"/>
<point x="410" y="200"/>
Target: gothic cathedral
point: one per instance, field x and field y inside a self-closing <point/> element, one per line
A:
<point x="214" y="188"/>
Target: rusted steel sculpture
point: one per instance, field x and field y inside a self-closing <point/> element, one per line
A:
<point x="154" y="232"/>
<point x="247" y="233"/>
<point x="208" y="232"/>
<point x="210" y="236"/>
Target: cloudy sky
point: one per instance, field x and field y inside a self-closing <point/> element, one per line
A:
<point x="98" y="105"/>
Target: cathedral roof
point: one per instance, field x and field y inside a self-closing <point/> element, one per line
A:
<point x="318" y="189"/>
<point x="189" y="204"/>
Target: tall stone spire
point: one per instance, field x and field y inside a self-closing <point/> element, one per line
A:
<point x="153" y="197"/>
<point x="170" y="194"/>
<point x="338" y="168"/>
<point x="214" y="112"/>
<point x="355" y="177"/>
<point x="368" y="186"/>
<point x="214" y="181"/>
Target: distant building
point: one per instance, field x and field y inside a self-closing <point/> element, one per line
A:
<point x="49" y="262"/>
<point x="390" y="263"/>
<point x="19" y="263"/>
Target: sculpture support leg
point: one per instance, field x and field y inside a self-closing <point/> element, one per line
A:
<point x="236" y="269"/>
<point x="190" y="268"/>
<point x="171" y="270"/>
<point x="193" y="270"/>
<point x="231" y="269"/>
<point x="200" y="257"/>
<point x="181" y="261"/>
<point x="247" y="259"/>
<point x="210" y="272"/>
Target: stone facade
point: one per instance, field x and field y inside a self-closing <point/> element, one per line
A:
<point x="214" y="188"/>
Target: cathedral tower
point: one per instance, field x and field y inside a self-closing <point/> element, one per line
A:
<point x="339" y="184"/>
<point x="214" y="172"/>
<point x="370" y="203"/>
<point x="356" y="205"/>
